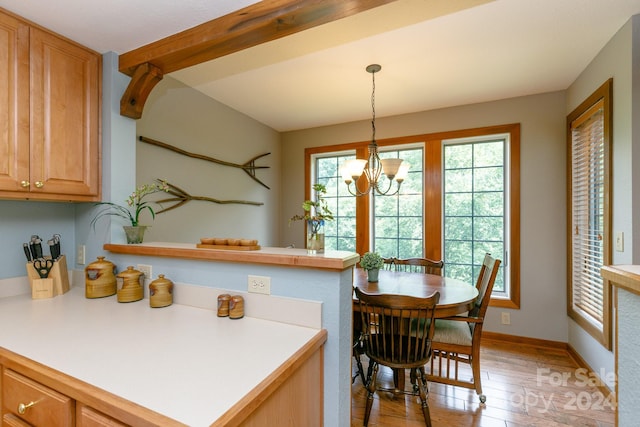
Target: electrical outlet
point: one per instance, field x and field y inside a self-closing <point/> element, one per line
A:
<point x="506" y="318"/>
<point x="259" y="284"/>
<point x="80" y="254"/>
<point x="146" y="270"/>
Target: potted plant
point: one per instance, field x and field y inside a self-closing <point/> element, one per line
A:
<point x="372" y="262"/>
<point x="316" y="212"/>
<point x="131" y="213"/>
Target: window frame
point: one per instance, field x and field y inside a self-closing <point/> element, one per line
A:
<point x="505" y="139"/>
<point x="432" y="165"/>
<point x="599" y="331"/>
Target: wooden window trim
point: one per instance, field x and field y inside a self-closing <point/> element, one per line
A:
<point x="433" y="199"/>
<point x="605" y="94"/>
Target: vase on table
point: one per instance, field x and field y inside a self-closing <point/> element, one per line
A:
<point x="134" y="233"/>
<point x="372" y="275"/>
<point x="315" y="237"/>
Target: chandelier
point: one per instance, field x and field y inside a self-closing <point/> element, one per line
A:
<point x="373" y="167"/>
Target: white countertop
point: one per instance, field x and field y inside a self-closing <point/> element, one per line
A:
<point x="180" y="361"/>
<point x="626" y="276"/>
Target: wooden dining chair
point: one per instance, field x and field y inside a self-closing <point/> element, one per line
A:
<point x="418" y="265"/>
<point x="400" y="338"/>
<point x="389" y="263"/>
<point x="457" y="339"/>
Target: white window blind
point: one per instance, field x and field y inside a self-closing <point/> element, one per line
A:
<point x="588" y="203"/>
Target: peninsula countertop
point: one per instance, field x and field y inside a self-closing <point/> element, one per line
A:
<point x="289" y="257"/>
<point x="180" y="361"/>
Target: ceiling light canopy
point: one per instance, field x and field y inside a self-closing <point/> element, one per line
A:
<point x="374" y="167"/>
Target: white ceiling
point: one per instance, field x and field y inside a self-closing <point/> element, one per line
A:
<point x="434" y="53"/>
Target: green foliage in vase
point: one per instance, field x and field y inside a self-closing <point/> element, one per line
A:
<point x="371" y="260"/>
<point x="136" y="204"/>
<point x="315" y="210"/>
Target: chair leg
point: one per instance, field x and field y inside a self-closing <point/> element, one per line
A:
<point x="475" y="367"/>
<point x="360" y="370"/>
<point x="423" y="388"/>
<point x="398" y="380"/>
<point x="371" y="388"/>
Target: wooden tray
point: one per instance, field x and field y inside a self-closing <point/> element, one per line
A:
<point x="229" y="247"/>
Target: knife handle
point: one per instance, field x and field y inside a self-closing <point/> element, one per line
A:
<point x="27" y="252"/>
<point x="52" y="249"/>
<point x="38" y="248"/>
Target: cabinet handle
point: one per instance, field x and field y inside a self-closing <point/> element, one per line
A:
<point x="22" y="408"/>
<point x="39" y="184"/>
<point x="24" y="184"/>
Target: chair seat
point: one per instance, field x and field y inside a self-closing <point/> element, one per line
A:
<point x="452" y="332"/>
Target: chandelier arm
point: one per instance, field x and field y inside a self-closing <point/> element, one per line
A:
<point x="358" y="192"/>
<point x="386" y="192"/>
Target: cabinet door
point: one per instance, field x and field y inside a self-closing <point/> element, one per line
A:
<point x="14" y="104"/>
<point x="65" y="116"/>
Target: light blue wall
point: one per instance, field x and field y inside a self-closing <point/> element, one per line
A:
<point x="19" y="220"/>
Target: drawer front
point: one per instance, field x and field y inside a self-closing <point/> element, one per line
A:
<point x="89" y="417"/>
<point x="10" y="420"/>
<point x="40" y="405"/>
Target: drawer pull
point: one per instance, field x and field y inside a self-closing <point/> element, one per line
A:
<point x="22" y="408"/>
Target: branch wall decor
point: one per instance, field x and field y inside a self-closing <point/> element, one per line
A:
<point x="183" y="197"/>
<point x="248" y="167"/>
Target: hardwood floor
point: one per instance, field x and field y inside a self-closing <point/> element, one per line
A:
<point x="524" y="385"/>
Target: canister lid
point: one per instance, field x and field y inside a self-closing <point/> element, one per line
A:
<point x="161" y="281"/>
<point x="130" y="272"/>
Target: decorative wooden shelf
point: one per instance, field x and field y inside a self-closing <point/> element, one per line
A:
<point x="229" y="247"/>
<point x="330" y="260"/>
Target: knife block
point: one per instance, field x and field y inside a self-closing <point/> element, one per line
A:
<point x="58" y="280"/>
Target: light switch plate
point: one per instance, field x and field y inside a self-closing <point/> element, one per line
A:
<point x="620" y="241"/>
<point x="80" y="254"/>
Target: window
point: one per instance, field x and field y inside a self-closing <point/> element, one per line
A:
<point x="340" y="234"/>
<point x="398" y="219"/>
<point x="475" y="213"/>
<point x="589" y="145"/>
<point x="428" y="217"/>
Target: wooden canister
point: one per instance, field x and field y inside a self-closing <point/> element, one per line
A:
<point x="130" y="285"/>
<point x="160" y="292"/>
<point x="223" y="305"/>
<point x="236" y="307"/>
<point x="100" y="279"/>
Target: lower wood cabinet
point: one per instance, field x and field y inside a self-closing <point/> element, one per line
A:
<point x="89" y="417"/>
<point x="32" y="394"/>
<point x="26" y="400"/>
<point x="27" y="403"/>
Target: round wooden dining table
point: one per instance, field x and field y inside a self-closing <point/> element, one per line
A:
<point x="456" y="296"/>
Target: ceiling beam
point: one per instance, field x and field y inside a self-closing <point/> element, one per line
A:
<point x="259" y="23"/>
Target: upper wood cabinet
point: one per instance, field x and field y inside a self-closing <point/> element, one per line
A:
<point x="50" y="146"/>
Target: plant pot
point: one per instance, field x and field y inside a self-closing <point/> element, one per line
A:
<point x="315" y="237"/>
<point x="135" y="234"/>
<point x="372" y="275"/>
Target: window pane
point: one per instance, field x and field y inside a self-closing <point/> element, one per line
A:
<point x="474" y="207"/>
<point x="398" y="219"/>
<point x="458" y="179"/>
<point x="339" y="233"/>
